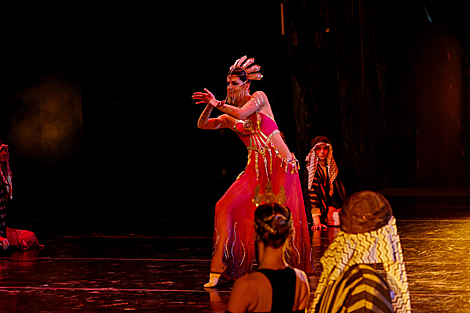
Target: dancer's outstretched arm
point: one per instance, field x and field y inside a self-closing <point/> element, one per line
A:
<point x="205" y="122"/>
<point x="257" y="101"/>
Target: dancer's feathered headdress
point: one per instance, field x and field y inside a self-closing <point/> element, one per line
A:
<point x="242" y="68"/>
<point x="251" y="70"/>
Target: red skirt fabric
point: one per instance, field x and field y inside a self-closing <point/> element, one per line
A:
<point x="234" y="244"/>
<point x="22" y="239"/>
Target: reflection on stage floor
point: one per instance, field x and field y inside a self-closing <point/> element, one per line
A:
<point x="160" y="265"/>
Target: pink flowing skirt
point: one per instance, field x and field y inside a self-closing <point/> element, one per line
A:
<point x="234" y="244"/>
<point x="22" y="239"/>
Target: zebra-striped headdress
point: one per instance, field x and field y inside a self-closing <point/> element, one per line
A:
<point x="380" y="245"/>
<point x="312" y="162"/>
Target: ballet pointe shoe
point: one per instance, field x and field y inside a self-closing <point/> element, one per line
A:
<point x="213" y="280"/>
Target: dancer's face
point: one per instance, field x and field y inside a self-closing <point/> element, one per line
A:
<point x="322" y="151"/>
<point x="234" y="85"/>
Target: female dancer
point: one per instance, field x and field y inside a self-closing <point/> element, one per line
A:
<point x="270" y="163"/>
<point x="274" y="287"/>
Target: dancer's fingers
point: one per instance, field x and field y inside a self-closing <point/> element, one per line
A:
<point x="209" y="93"/>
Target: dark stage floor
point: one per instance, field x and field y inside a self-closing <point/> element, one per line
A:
<point x="161" y="265"/>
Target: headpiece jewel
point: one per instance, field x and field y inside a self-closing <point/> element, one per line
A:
<point x="269" y="196"/>
<point x="252" y="71"/>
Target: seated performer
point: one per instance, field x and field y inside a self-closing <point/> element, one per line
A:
<point x="22" y="239"/>
<point x="274" y="286"/>
<point x="326" y="192"/>
<point x="349" y="281"/>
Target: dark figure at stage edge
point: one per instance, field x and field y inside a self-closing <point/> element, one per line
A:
<point x="22" y="239"/>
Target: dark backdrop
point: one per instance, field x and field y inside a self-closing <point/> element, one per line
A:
<point x="96" y="101"/>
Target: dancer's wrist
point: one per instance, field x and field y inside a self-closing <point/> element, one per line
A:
<point x="213" y="103"/>
<point x="225" y="109"/>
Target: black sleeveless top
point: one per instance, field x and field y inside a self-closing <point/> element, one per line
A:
<point x="283" y="289"/>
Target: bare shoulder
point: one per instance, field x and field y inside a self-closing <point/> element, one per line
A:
<point x="262" y="101"/>
<point x="245" y="287"/>
<point x="302" y="290"/>
<point x="260" y="95"/>
<point x="303" y="285"/>
<point x="249" y="281"/>
<point x="244" y="295"/>
<point x="301" y="275"/>
<point x="246" y="279"/>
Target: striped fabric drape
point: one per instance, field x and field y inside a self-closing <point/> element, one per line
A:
<point x="377" y="246"/>
<point x="359" y="289"/>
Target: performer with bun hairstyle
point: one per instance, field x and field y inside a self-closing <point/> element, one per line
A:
<point x="274" y="286"/>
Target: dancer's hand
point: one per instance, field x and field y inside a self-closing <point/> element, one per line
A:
<point x="204" y="97"/>
<point x="4" y="243"/>
<point x="317" y="225"/>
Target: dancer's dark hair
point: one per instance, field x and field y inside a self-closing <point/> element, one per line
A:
<point x="273" y="224"/>
<point x="238" y="71"/>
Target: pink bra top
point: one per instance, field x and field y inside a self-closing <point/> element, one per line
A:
<point x="256" y="132"/>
